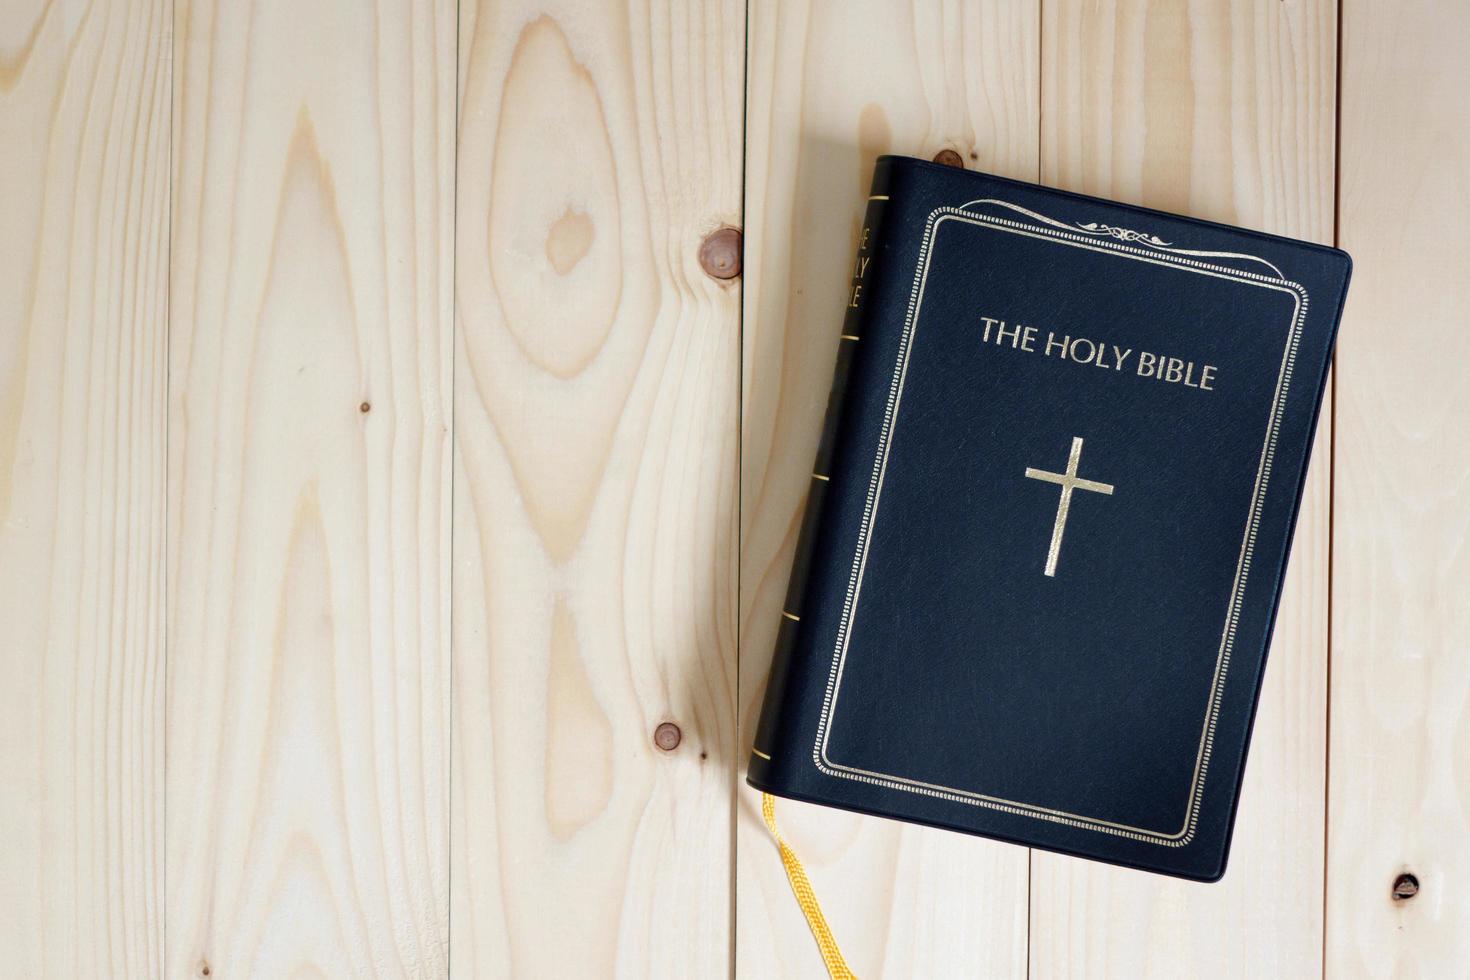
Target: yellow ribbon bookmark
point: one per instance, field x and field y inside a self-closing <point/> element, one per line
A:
<point x="805" y="897"/>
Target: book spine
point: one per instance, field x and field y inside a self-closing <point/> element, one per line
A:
<point x="770" y="741"/>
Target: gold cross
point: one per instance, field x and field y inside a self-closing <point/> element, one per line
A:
<point x="1069" y="482"/>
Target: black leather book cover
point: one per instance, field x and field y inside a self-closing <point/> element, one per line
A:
<point x="1049" y="520"/>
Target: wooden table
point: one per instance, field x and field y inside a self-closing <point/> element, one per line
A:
<point x="380" y="466"/>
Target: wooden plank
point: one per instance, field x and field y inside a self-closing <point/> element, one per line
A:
<point x="308" y="718"/>
<point x="84" y="135"/>
<point x="596" y="402"/>
<point x="1400" y="763"/>
<point x="830" y="87"/>
<point x="1224" y="111"/>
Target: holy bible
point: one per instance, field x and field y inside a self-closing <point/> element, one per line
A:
<point x="1049" y="519"/>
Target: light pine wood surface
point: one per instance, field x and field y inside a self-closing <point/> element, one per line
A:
<point x="309" y="459"/>
<point x="84" y="268"/>
<point x="596" y="390"/>
<point x="1399" y="776"/>
<point x="381" y="466"/>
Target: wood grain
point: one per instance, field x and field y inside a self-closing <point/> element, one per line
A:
<point x="830" y="87"/>
<point x="84" y="135"/>
<point x="596" y="393"/>
<point x="1223" y="111"/>
<point x="1400" y="766"/>
<point x="309" y="371"/>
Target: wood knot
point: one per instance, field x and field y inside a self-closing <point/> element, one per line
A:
<point x="719" y="253"/>
<point x="950" y="158"/>
<point x="1405" y="887"/>
<point x="364" y="408"/>
<point x="667" y="736"/>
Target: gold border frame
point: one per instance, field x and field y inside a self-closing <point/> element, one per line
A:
<point x="1046" y="228"/>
